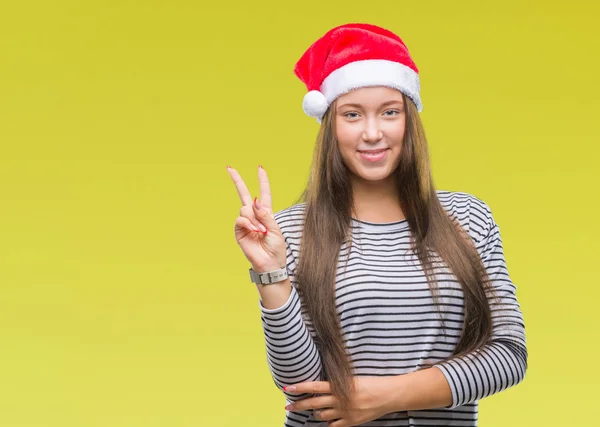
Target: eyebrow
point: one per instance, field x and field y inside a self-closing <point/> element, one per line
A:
<point x="382" y="105"/>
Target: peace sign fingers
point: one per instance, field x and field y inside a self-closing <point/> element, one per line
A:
<point x="266" y="250"/>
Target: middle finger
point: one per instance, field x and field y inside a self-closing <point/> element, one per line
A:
<point x="265" y="188"/>
<point x="314" y="403"/>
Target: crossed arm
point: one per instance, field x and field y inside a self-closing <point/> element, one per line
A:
<point x="294" y="359"/>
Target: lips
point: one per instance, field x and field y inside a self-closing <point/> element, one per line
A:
<point x="374" y="156"/>
<point x="372" y="151"/>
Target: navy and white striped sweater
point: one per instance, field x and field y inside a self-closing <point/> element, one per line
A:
<point x="389" y="320"/>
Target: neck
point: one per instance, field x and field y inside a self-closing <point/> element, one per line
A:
<point x="376" y="201"/>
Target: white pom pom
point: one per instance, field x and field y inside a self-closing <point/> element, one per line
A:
<point x="314" y="104"/>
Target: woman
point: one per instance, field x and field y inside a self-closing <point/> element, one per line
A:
<point x="389" y="301"/>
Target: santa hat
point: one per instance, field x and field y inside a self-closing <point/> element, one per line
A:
<point x="352" y="56"/>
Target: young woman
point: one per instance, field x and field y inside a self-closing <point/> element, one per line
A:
<point x="383" y="300"/>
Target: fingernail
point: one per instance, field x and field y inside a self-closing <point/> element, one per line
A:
<point x="289" y="407"/>
<point x="260" y="166"/>
<point x="290" y="388"/>
<point x="256" y="203"/>
<point x="228" y="167"/>
<point x="254" y="228"/>
<point x="262" y="228"/>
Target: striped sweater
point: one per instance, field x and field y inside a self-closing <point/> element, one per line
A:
<point x="389" y="321"/>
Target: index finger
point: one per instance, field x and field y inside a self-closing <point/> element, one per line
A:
<point x="265" y="188"/>
<point x="309" y="387"/>
<point x="242" y="190"/>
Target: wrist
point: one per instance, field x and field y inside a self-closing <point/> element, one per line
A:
<point x="268" y="275"/>
<point x="267" y="268"/>
<point x="395" y="394"/>
<point x="276" y="295"/>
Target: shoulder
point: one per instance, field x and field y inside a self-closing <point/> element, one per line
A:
<point x="473" y="214"/>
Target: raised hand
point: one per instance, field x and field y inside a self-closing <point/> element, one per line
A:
<point x="256" y="230"/>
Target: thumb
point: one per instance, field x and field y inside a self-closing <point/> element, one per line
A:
<point x="263" y="214"/>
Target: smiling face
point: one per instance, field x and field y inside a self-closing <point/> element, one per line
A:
<point x="370" y="119"/>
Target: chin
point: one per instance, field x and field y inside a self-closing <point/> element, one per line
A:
<point x="373" y="176"/>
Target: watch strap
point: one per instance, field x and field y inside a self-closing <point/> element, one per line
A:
<point x="268" y="277"/>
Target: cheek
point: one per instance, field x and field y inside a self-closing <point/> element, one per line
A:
<point x="395" y="132"/>
<point x="347" y="138"/>
<point x="344" y="133"/>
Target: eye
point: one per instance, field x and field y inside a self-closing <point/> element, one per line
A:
<point x="393" y="111"/>
<point x="351" y="112"/>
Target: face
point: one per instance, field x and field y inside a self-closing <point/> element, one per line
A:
<point x="368" y="119"/>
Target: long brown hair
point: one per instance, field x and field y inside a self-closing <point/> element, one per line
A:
<point x="327" y="225"/>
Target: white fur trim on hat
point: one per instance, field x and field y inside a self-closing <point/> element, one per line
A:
<point x="370" y="72"/>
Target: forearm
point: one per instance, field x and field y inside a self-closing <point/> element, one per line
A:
<point x="423" y="389"/>
<point x="274" y="295"/>
<point x="292" y="354"/>
<point x="485" y="371"/>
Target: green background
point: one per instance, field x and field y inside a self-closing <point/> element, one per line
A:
<point x="124" y="298"/>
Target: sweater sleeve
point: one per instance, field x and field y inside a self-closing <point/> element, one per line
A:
<point x="502" y="362"/>
<point x="292" y="354"/>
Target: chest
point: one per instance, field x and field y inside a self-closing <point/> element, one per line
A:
<point x="386" y="285"/>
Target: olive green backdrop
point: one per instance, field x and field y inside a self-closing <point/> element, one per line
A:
<point x="124" y="298"/>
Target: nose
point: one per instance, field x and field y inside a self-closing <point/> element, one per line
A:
<point x="372" y="132"/>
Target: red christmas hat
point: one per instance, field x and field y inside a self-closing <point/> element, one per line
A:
<point x="351" y="56"/>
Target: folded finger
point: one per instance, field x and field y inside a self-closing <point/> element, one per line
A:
<point x="245" y="223"/>
<point x="248" y="212"/>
